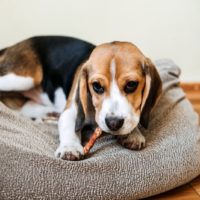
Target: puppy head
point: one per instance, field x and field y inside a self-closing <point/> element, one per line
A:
<point x="120" y="86"/>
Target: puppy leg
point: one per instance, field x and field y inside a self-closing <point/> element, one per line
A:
<point x="70" y="147"/>
<point x="35" y="110"/>
<point x="135" y="140"/>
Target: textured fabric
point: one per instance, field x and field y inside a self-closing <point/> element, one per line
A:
<point x="29" y="170"/>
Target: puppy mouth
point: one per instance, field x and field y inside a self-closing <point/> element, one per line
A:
<point x="126" y="129"/>
<point x="116" y="133"/>
<point x="121" y="131"/>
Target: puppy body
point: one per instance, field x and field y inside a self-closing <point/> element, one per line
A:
<point x="115" y="89"/>
<point x="42" y="70"/>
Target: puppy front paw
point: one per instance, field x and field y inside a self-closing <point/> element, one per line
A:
<point x="71" y="152"/>
<point x="134" y="141"/>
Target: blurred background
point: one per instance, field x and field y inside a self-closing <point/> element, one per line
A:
<point x="160" y="28"/>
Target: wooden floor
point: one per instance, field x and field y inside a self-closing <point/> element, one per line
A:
<point x="190" y="191"/>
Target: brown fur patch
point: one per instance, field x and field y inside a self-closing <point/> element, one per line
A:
<point x="21" y="60"/>
<point x="128" y="59"/>
<point x="74" y="87"/>
<point x="152" y="91"/>
<point x="13" y="100"/>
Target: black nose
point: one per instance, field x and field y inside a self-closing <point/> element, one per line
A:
<point x="114" y="123"/>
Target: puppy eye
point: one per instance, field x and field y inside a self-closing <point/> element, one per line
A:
<point x="98" y="88"/>
<point x="131" y="86"/>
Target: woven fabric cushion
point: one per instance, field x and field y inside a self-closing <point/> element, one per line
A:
<point x="29" y="170"/>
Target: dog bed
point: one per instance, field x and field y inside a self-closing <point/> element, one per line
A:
<point x="29" y="170"/>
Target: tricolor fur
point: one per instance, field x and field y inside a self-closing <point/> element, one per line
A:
<point x="101" y="93"/>
<point x="113" y="86"/>
<point x="40" y="69"/>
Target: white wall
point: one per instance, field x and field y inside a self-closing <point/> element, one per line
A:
<point x="161" y="28"/>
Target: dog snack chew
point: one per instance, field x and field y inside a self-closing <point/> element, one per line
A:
<point x="97" y="133"/>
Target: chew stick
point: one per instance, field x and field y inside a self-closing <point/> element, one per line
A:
<point x="92" y="140"/>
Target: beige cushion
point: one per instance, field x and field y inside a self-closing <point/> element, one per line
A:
<point x="28" y="168"/>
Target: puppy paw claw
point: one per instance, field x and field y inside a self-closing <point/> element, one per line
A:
<point x="133" y="141"/>
<point x="70" y="152"/>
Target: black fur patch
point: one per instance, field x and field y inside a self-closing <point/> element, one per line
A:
<point x="60" y="57"/>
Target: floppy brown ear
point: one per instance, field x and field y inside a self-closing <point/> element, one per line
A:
<point x="151" y="93"/>
<point x="85" y="121"/>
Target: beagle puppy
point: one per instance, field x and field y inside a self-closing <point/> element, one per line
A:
<point x="115" y="89"/>
<point x="113" y="86"/>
